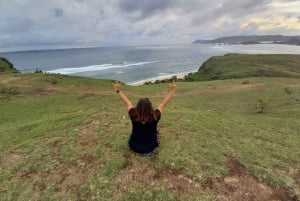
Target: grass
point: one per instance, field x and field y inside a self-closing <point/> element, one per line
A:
<point x="67" y="140"/>
<point x="6" y="66"/>
<point x="245" y="65"/>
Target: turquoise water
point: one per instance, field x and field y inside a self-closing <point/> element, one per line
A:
<point x="133" y="64"/>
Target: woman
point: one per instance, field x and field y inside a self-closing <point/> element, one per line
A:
<point x="144" y="138"/>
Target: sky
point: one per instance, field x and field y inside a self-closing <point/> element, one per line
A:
<point x="36" y="24"/>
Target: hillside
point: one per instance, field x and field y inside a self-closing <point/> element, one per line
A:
<point x="65" y="138"/>
<point x="253" y="39"/>
<point x="245" y="65"/>
<point x="6" y="66"/>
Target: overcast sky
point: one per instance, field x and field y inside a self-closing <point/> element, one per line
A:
<point x="79" y="23"/>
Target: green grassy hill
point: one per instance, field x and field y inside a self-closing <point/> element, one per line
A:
<point x="244" y="65"/>
<point x="6" y="66"/>
<point x="65" y="138"/>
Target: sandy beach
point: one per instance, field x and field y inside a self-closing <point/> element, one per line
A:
<point x="164" y="77"/>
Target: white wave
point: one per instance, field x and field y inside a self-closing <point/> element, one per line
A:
<point x="81" y="69"/>
<point x="97" y="67"/>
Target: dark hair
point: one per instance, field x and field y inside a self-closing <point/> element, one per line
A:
<point x="144" y="110"/>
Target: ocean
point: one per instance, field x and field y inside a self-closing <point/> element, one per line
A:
<point x="133" y="65"/>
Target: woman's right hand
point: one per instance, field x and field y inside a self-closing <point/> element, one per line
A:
<point x="117" y="85"/>
<point x="173" y="85"/>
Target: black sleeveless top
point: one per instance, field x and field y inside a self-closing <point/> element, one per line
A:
<point x="143" y="138"/>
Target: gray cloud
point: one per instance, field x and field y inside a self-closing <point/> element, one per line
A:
<point x="58" y="12"/>
<point x="134" y="22"/>
<point x="141" y="9"/>
<point x="80" y="1"/>
<point x="232" y="8"/>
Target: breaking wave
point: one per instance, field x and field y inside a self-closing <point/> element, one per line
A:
<point x="98" y="67"/>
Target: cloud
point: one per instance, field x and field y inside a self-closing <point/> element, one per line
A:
<point x="279" y="16"/>
<point x="58" y="12"/>
<point x="281" y="22"/>
<point x="139" y="22"/>
<point x="140" y="9"/>
<point x="230" y="8"/>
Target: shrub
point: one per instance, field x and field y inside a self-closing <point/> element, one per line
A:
<point x="291" y="95"/>
<point x="288" y="91"/>
<point x="38" y="71"/>
<point x="51" y="79"/>
<point x="260" y="106"/>
<point x="54" y="81"/>
<point x="246" y="82"/>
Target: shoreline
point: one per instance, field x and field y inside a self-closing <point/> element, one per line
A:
<point x="159" y="78"/>
<point x="134" y="83"/>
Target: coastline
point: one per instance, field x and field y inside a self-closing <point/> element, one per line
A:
<point x="159" y="78"/>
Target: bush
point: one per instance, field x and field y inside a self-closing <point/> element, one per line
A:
<point x="38" y="71"/>
<point x="51" y="79"/>
<point x="54" y="81"/>
<point x="290" y="93"/>
<point x="246" y="82"/>
<point x="260" y="106"/>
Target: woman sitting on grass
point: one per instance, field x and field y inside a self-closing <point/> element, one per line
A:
<point x="144" y="138"/>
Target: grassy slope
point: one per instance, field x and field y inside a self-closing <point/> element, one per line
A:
<point x="245" y="65"/>
<point x="65" y="138"/>
<point x="6" y="66"/>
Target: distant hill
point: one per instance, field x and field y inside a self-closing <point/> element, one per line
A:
<point x="254" y="39"/>
<point x="6" y="66"/>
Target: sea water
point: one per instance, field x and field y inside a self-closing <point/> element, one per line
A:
<point x="133" y="64"/>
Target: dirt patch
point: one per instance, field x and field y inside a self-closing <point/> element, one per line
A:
<point x="42" y="92"/>
<point x="295" y="175"/>
<point x="68" y="177"/>
<point x="5" y="80"/>
<point x="296" y="178"/>
<point x="241" y="186"/>
<point x="136" y="174"/>
<point x="87" y="136"/>
<point x="10" y="159"/>
<point x="85" y="95"/>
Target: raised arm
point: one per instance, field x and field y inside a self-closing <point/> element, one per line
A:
<point x="168" y="97"/>
<point x="117" y="87"/>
